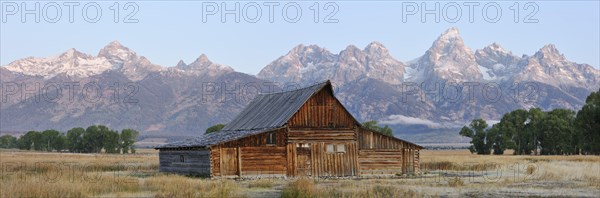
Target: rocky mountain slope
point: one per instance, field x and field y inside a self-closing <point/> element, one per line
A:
<point x="439" y="91"/>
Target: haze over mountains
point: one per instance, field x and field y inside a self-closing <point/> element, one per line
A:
<point x="441" y="90"/>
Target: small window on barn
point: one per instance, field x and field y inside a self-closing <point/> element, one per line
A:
<point x="181" y="159"/>
<point x="302" y="145"/>
<point x="330" y="148"/>
<point x="341" y="148"/>
<point x="271" y="138"/>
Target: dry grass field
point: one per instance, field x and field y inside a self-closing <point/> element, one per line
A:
<point x="444" y="173"/>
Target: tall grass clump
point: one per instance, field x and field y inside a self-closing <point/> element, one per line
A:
<point x="181" y="186"/>
<point x="300" y="188"/>
<point x="261" y="183"/>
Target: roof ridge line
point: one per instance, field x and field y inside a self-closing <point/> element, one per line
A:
<point x="313" y="85"/>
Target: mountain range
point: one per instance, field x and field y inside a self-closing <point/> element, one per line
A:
<point x="445" y="88"/>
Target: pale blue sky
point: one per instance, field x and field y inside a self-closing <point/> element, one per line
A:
<point x="170" y="31"/>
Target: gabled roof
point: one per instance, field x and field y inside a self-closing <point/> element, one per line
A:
<point x="274" y="109"/>
<point x="266" y="112"/>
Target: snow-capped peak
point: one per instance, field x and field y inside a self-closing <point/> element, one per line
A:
<point x="71" y="63"/>
<point x="72" y="53"/>
<point x="376" y="48"/>
<point x="496" y="47"/>
<point x="449" y="35"/>
<point x="448" y="59"/>
<point x="549" y="52"/>
<point x="313" y="63"/>
<point x="203" y="65"/>
<point x="117" y="53"/>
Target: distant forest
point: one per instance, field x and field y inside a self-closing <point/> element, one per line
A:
<point x="94" y="139"/>
<point x="555" y="132"/>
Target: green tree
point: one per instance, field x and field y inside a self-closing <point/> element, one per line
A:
<point x="587" y="125"/>
<point x="60" y="143"/>
<point x="214" y="128"/>
<point x="92" y="140"/>
<point x="38" y="141"/>
<point x="111" y="142"/>
<point x="557" y="133"/>
<point x="534" y="127"/>
<point x="513" y="124"/>
<point x="26" y="141"/>
<point x="477" y="132"/>
<point x="50" y="138"/>
<point x="497" y="139"/>
<point x="75" y="140"/>
<point x="8" y="141"/>
<point x="128" y="137"/>
<point x="386" y="130"/>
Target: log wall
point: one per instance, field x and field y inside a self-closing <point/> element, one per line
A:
<point x="321" y="135"/>
<point x="381" y="154"/>
<point x="195" y="162"/>
<point x="380" y="161"/>
<point x="250" y="156"/>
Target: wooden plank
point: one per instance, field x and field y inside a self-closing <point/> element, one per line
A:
<point x="221" y="172"/>
<point x="239" y="161"/>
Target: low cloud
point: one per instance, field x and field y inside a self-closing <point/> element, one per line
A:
<point x="401" y="119"/>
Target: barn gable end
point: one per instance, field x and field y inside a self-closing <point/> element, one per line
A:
<point x="303" y="132"/>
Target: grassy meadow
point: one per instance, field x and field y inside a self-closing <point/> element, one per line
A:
<point x="449" y="173"/>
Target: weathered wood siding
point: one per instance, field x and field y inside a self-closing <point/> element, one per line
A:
<point x="322" y="121"/>
<point x="322" y="110"/>
<point x="380" y="161"/>
<point x="380" y="154"/>
<point x="336" y="163"/>
<point x="321" y="135"/>
<point x="215" y="161"/>
<point x="313" y="159"/>
<point x="187" y="162"/>
<point x="258" y="161"/>
<point x="372" y="140"/>
<point x="250" y="156"/>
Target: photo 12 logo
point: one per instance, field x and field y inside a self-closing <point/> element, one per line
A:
<point x="69" y="11"/>
<point x="453" y="12"/>
<point x="271" y="12"/>
<point x="54" y="92"/>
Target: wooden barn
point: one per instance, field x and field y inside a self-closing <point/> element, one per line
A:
<point x="303" y="132"/>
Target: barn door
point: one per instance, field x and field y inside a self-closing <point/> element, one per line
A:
<point x="230" y="161"/>
<point x="303" y="163"/>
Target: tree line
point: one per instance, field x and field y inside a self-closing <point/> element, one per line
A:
<point x="372" y="124"/>
<point x="555" y="132"/>
<point x="93" y="139"/>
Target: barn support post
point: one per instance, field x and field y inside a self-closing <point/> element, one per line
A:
<point x="356" y="167"/>
<point x="239" y="161"/>
<point x="404" y="159"/>
<point x="221" y="161"/>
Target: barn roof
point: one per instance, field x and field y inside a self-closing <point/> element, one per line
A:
<point x="273" y="109"/>
<point x="265" y="112"/>
<point x="212" y="138"/>
<point x="393" y="137"/>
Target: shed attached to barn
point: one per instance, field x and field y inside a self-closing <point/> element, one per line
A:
<point x="303" y="132"/>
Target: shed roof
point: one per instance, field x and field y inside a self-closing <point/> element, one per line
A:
<point x="212" y="138"/>
<point x="393" y="137"/>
